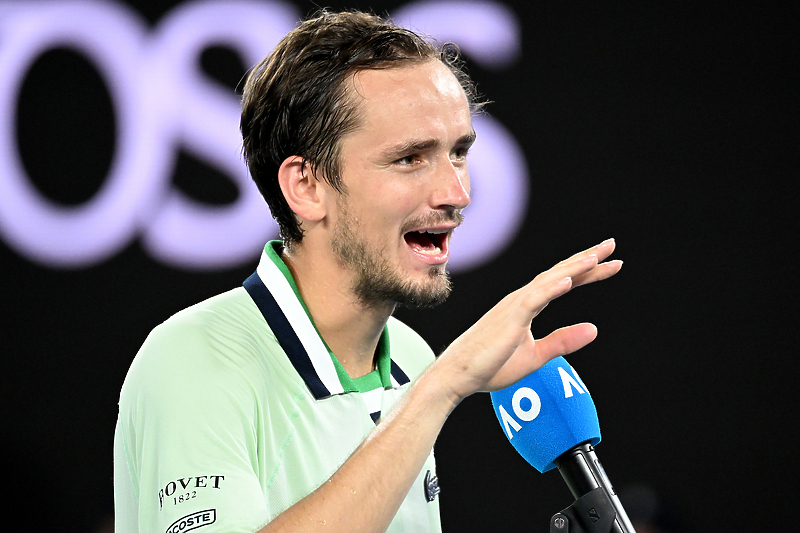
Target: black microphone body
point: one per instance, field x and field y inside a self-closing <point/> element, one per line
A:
<point x="584" y="474"/>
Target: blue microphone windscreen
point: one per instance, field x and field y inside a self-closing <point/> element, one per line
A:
<point x="547" y="413"/>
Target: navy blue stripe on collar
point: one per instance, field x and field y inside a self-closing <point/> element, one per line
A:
<point x="399" y="376"/>
<point x="287" y="337"/>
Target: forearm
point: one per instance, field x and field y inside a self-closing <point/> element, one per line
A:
<point x="368" y="489"/>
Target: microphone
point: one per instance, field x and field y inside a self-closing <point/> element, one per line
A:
<point x="550" y="419"/>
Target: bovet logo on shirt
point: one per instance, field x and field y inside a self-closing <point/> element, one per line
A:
<point x="186" y="488"/>
<point x="193" y="521"/>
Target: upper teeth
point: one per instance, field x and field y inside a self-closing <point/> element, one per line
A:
<point x="434" y="231"/>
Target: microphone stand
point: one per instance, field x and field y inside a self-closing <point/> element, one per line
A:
<point x="597" y="508"/>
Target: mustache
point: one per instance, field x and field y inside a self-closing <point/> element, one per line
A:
<point x="452" y="216"/>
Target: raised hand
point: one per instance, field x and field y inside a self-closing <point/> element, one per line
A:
<point x="499" y="349"/>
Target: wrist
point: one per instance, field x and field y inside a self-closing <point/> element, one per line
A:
<point x="434" y="390"/>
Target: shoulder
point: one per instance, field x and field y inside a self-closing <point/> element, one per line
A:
<point x="408" y="349"/>
<point x="217" y="341"/>
<point x="218" y="324"/>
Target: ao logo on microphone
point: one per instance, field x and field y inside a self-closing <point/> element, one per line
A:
<point x="526" y="403"/>
<point x="162" y="102"/>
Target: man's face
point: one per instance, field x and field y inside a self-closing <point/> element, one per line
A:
<point x="406" y="180"/>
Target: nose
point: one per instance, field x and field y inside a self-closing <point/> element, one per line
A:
<point x="451" y="186"/>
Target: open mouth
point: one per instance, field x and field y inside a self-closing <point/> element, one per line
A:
<point x="428" y="242"/>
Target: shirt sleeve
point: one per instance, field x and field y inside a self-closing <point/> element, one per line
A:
<point x="187" y="436"/>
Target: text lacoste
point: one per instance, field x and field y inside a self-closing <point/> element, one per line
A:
<point x="193" y="521"/>
<point x="185" y="488"/>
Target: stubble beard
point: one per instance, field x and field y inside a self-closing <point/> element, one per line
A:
<point x="377" y="283"/>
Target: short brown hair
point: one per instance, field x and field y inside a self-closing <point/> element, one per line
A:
<point x="296" y="101"/>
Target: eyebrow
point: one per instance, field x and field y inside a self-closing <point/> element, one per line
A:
<point x="416" y="145"/>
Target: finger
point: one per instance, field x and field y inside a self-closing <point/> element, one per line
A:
<point x="600" y="272"/>
<point x="602" y="251"/>
<point x="553" y="283"/>
<point x="527" y="302"/>
<point x="564" y="341"/>
<point x="604" y="270"/>
<point x="570" y="269"/>
<point x="525" y="360"/>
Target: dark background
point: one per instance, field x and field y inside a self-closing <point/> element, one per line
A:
<point x="670" y="126"/>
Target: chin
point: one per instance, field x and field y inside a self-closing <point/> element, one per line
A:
<point x="378" y="289"/>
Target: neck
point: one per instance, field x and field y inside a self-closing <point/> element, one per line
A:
<point x="351" y="329"/>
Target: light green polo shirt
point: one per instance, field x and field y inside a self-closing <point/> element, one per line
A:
<point x="234" y="409"/>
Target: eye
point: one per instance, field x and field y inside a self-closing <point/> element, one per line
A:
<point x="460" y="154"/>
<point x="408" y="160"/>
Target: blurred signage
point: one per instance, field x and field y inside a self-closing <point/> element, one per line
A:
<point x="163" y="101"/>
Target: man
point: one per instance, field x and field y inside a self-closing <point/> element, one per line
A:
<point x="296" y="402"/>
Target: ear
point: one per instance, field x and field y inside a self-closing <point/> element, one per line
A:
<point x="305" y="194"/>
